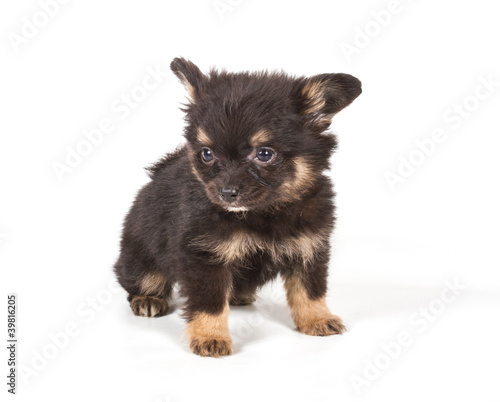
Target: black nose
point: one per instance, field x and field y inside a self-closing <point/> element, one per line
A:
<point x="229" y="194"/>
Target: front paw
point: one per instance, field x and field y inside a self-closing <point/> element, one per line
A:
<point x="331" y="325"/>
<point x="211" y="347"/>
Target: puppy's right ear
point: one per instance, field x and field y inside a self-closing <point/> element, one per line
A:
<point x="190" y="76"/>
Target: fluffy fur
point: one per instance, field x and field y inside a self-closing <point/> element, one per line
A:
<point x="244" y="200"/>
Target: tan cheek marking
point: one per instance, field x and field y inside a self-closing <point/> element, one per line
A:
<point x="303" y="173"/>
<point x="198" y="177"/>
<point x="304" y="177"/>
<point x="203" y="137"/>
<point x="152" y="284"/>
<point x="304" y="310"/>
<point x="192" y="157"/>
<point x="259" y="138"/>
<point x="208" y="187"/>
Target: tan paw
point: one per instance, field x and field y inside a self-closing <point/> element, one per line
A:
<point x="212" y="347"/>
<point x="148" y="306"/>
<point x="331" y="325"/>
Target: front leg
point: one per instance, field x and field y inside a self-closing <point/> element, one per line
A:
<point x="207" y="309"/>
<point x="305" y="292"/>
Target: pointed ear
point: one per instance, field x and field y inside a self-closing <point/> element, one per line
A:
<point x="190" y="76"/>
<point x="324" y="95"/>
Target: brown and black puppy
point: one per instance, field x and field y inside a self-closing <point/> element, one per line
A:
<point x="245" y="199"/>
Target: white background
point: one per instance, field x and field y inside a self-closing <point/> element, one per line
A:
<point x="393" y="250"/>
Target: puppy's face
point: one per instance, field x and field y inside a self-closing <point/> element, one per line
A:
<point x="256" y="140"/>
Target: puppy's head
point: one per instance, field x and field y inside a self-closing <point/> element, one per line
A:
<point x="257" y="140"/>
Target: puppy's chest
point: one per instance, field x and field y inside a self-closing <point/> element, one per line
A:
<point x="240" y="244"/>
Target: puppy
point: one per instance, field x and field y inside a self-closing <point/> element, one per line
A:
<point x="243" y="201"/>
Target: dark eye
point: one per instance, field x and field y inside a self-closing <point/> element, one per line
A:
<point x="265" y="154"/>
<point x="207" y="155"/>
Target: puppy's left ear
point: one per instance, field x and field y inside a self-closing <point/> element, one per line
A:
<point x="324" y="95"/>
<point x="190" y="76"/>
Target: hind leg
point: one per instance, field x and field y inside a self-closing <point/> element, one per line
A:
<point x="243" y="298"/>
<point x="245" y="284"/>
<point x="150" y="300"/>
<point x="148" y="287"/>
